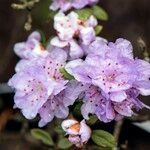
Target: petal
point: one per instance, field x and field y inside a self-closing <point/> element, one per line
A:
<point x="54" y="6"/>
<point x="46" y="114"/>
<point x="35" y="35"/>
<point x="72" y="92"/>
<point x="66" y="124"/>
<point x="110" y="113"/>
<point x="91" y="22"/>
<point x="83" y="73"/>
<point x="118" y="96"/>
<point x="87" y="109"/>
<point x="87" y="35"/>
<point x="75" y="50"/>
<point x="143" y="67"/>
<point x="19" y="48"/>
<point x="58" y="55"/>
<point x="24" y="63"/>
<point x="124" y="110"/>
<point x="99" y="47"/>
<point x="75" y="140"/>
<point x="73" y="64"/>
<point x="78" y="4"/>
<point x="85" y="131"/>
<point x="61" y="112"/>
<point x="143" y="87"/>
<point x="125" y="47"/>
<point x="58" y="43"/>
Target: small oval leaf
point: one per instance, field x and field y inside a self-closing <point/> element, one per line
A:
<point x="92" y="120"/>
<point x="98" y="29"/>
<point x="64" y="143"/>
<point x="103" y="139"/>
<point x="77" y="109"/>
<point x="59" y="130"/>
<point x="100" y="13"/>
<point x="66" y="75"/>
<point x="85" y="13"/>
<point x="43" y="37"/>
<point x="43" y="136"/>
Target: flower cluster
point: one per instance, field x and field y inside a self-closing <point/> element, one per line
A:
<point x="39" y="85"/>
<point x="109" y="80"/>
<point x="73" y="34"/>
<point x="113" y="78"/>
<point x="65" y="5"/>
<point x="105" y="75"/>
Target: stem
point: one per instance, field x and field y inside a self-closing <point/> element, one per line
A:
<point x="143" y="48"/>
<point x="117" y="130"/>
<point x="25" y="4"/>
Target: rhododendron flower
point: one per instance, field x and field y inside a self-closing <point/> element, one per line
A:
<point x="107" y="110"/>
<point x="112" y="68"/>
<point x="79" y="133"/>
<point x="97" y="103"/>
<point x="71" y="27"/>
<point x="58" y="105"/>
<point x="36" y="83"/>
<point x="65" y="5"/>
<point x="32" y="90"/>
<point x="66" y="25"/>
<point x="31" y="48"/>
<point x="53" y="107"/>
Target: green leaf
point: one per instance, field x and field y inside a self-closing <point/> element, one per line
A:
<point x="77" y="109"/>
<point x="66" y="75"/>
<point x="84" y="14"/>
<point x="103" y="139"/>
<point x="98" y="29"/>
<point x="43" y="37"/>
<point x="92" y="120"/>
<point x="52" y="14"/>
<point x="64" y="143"/>
<point x="100" y="13"/>
<point x="43" y="136"/>
<point x="59" y="130"/>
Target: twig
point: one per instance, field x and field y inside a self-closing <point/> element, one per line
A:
<point x="117" y="130"/>
<point x="28" y="24"/>
<point x="143" y="48"/>
<point x="26" y="5"/>
<point x="4" y="88"/>
<point x="4" y="117"/>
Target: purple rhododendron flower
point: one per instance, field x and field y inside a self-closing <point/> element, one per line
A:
<point x="58" y="105"/>
<point x="36" y="83"/>
<point x="107" y="110"/>
<point x="65" y="5"/>
<point x="108" y="81"/>
<point x="78" y="66"/>
<point x="53" y="107"/>
<point x="31" y="48"/>
<point x="112" y="70"/>
<point x="32" y="90"/>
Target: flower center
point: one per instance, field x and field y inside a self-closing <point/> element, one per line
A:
<point x="111" y="77"/>
<point x="75" y="127"/>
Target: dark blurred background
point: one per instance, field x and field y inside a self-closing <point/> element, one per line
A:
<point x="128" y="19"/>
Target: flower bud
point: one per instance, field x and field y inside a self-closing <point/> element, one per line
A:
<point x="79" y="133"/>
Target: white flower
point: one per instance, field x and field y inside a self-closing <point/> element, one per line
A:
<point x="79" y="133"/>
<point x="66" y="26"/>
<point x="70" y="28"/>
